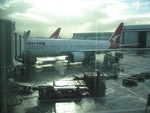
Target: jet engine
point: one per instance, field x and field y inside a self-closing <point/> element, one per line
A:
<point x="30" y="60"/>
<point x="76" y="57"/>
<point x="27" y="60"/>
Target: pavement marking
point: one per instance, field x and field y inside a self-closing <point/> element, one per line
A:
<point x="147" y="88"/>
<point x="140" y="97"/>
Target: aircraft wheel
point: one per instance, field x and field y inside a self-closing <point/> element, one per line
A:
<point x="24" y="88"/>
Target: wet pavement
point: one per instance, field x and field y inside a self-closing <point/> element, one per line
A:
<point x="118" y="99"/>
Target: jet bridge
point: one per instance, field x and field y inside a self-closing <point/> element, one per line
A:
<point x="6" y="57"/>
<point x="12" y="43"/>
<point x="11" y="46"/>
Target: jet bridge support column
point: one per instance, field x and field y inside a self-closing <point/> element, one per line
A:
<point x="68" y="64"/>
<point x="110" y="59"/>
<point x="90" y="59"/>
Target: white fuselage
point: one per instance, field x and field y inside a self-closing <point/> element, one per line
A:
<point x="57" y="47"/>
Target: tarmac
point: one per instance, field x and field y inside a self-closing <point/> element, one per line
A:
<point x="118" y="98"/>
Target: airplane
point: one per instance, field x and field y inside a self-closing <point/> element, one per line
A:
<point x="76" y="50"/>
<point x="32" y="60"/>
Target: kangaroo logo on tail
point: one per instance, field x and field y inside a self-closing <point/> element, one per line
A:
<point x="115" y="37"/>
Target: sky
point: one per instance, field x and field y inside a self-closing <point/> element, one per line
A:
<point x="43" y="17"/>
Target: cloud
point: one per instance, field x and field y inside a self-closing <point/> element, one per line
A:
<point x="43" y="17"/>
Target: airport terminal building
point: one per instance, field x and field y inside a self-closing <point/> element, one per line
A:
<point x="136" y="34"/>
<point x="131" y="34"/>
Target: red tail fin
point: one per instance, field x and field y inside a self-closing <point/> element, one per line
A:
<point x="55" y="35"/>
<point x="115" y="37"/>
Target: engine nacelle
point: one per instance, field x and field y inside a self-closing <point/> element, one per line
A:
<point x="76" y="57"/>
<point x="27" y="60"/>
<point x="30" y="60"/>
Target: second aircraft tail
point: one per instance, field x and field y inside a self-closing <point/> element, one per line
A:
<point x="55" y="35"/>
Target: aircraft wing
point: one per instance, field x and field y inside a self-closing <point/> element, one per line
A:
<point x="133" y="49"/>
<point x="26" y="84"/>
<point x="129" y="45"/>
<point x="119" y="49"/>
<point x="105" y="50"/>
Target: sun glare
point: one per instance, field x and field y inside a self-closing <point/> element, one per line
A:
<point x="61" y="7"/>
<point x="115" y="10"/>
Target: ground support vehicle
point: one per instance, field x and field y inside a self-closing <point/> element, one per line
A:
<point x="129" y="82"/>
<point x="88" y="85"/>
<point x="60" y="90"/>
